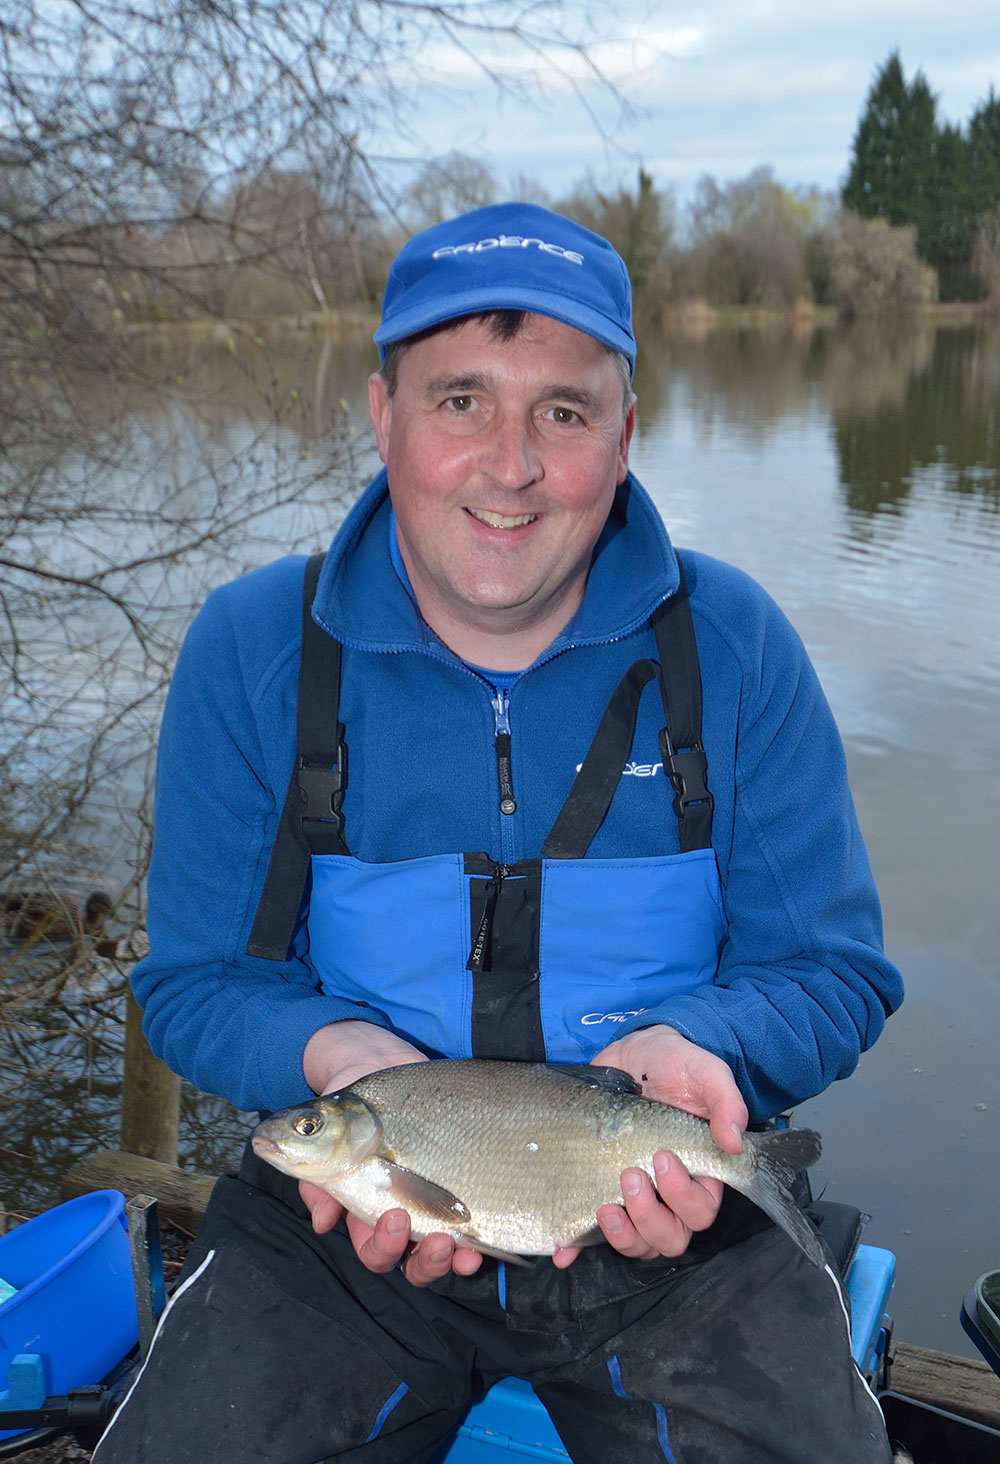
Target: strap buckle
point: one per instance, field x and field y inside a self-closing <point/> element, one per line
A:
<point x="322" y="789"/>
<point x="687" y="772"/>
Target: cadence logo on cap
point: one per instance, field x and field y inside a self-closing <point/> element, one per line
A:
<point x="508" y="241"/>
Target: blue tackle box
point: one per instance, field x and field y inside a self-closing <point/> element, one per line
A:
<point x="510" y="1418"/>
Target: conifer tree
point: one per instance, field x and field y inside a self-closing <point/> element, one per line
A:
<point x="893" y="149"/>
<point x="640" y="225"/>
<point x="984" y="153"/>
<point x="947" y="229"/>
<point x="908" y="169"/>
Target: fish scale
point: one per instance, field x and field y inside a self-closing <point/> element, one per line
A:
<point x="514" y="1158"/>
<point x="522" y="1172"/>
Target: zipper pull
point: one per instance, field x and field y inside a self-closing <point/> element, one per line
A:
<point x="480" y="957"/>
<point x="505" y="779"/>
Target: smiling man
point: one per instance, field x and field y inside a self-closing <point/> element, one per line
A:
<point x="506" y="448"/>
<point x="499" y="634"/>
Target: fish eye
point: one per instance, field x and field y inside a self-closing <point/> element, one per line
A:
<point x="308" y="1124"/>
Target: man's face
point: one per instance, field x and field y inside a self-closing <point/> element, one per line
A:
<point x="503" y="458"/>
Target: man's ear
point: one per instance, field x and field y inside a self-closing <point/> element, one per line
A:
<point x="380" y="411"/>
<point x="628" y="426"/>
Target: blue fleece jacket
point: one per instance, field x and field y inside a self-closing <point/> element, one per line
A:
<point x="803" y="986"/>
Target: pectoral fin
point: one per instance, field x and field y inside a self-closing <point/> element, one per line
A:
<point x="416" y="1193"/>
<point x="439" y="1209"/>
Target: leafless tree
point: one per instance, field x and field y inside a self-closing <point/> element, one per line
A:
<point x="165" y="160"/>
<point x="751" y="240"/>
<point x="877" y="272"/>
<point x="447" y="186"/>
<point x="641" y="227"/>
<point x="175" y="175"/>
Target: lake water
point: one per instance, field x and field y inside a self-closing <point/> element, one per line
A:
<point x="858" y="478"/>
<point x="859" y="482"/>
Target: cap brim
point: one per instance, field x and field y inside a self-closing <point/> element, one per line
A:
<point x="571" y="312"/>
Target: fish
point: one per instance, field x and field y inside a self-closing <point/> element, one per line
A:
<point x="515" y="1158"/>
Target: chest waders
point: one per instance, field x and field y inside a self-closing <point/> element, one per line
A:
<point x="465" y="956"/>
<point x="739" y="1350"/>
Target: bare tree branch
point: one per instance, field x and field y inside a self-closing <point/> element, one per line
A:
<point x="183" y="183"/>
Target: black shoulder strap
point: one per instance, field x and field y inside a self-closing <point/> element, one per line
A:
<point x="600" y="772"/>
<point x="684" y="759"/>
<point x="311" y="821"/>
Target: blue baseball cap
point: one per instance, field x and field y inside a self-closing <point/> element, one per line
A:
<point x="509" y="256"/>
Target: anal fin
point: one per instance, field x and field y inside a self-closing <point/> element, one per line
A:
<point x="469" y="1242"/>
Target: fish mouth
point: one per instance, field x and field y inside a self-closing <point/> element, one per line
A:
<point x="501" y="520"/>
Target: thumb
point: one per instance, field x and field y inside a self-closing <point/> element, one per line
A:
<point x="722" y="1103"/>
<point x="728" y="1117"/>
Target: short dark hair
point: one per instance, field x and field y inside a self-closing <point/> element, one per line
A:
<point x="503" y="325"/>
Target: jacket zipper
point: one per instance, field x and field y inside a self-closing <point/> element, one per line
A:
<point x="480" y="957"/>
<point x="505" y="778"/>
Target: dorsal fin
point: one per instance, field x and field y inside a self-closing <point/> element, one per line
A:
<point x="611" y="1079"/>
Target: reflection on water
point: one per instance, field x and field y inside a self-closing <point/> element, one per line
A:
<point x="137" y="518"/>
<point x="938" y="426"/>
<point x="132" y="519"/>
<point x="858" y="478"/>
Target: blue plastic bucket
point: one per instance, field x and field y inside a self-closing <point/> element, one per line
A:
<point x="75" y="1298"/>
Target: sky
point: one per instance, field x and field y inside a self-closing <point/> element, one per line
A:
<point x="719" y="87"/>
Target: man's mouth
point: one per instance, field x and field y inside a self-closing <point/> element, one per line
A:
<point x="502" y="520"/>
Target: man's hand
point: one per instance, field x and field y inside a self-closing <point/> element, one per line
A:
<point x="659" y="1220"/>
<point x="383" y="1247"/>
<point x="339" y="1054"/>
<point x="336" y="1056"/>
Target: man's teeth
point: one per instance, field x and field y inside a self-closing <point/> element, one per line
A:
<point x="502" y="520"/>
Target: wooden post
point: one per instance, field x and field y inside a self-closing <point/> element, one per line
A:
<point x="151" y="1096"/>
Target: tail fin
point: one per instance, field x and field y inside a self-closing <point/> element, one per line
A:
<point x="780" y="1153"/>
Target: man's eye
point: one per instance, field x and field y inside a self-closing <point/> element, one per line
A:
<point x="564" y="416"/>
<point x="461" y="403"/>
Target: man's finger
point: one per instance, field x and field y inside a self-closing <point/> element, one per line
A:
<point x="430" y="1260"/>
<point x="383" y="1248"/>
<point x="565" y="1256"/>
<point x="694" y="1201"/>
<point x="658" y="1228"/>
<point x="619" y="1231"/>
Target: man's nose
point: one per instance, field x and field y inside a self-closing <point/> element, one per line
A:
<point x="511" y="456"/>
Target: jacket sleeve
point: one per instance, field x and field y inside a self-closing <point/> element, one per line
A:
<point x="803" y="985"/>
<point x="229" y="1023"/>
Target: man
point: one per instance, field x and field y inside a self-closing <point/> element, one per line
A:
<point x="470" y="678"/>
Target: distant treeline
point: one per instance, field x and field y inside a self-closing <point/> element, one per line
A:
<point x="107" y="225"/>
<point x="275" y="246"/>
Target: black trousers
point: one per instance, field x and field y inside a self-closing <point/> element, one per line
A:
<point x="279" y="1347"/>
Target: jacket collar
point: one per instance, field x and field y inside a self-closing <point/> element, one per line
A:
<point x="364" y="601"/>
